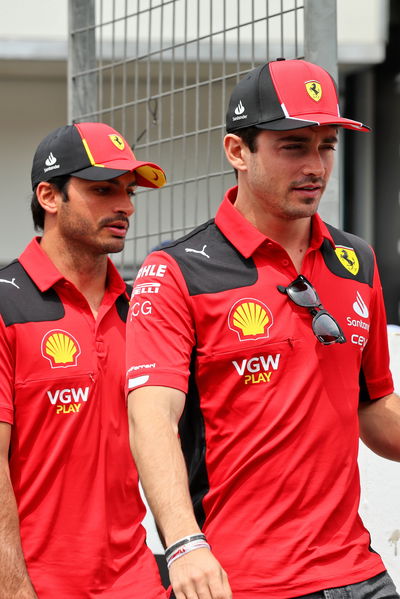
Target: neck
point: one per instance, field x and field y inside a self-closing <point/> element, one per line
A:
<point x="290" y="234"/>
<point x="88" y="272"/>
<point x="293" y="234"/>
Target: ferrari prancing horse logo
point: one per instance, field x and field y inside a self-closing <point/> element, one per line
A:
<point x="117" y="141"/>
<point x="348" y="258"/>
<point x="314" y="90"/>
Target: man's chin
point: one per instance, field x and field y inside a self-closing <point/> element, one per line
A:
<point x="302" y="212"/>
<point x="115" y="246"/>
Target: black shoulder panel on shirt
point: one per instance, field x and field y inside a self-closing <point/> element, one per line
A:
<point x="193" y="441"/>
<point x="21" y="301"/>
<point x="210" y="263"/>
<point x="363" y="395"/>
<point x="122" y="303"/>
<point x="363" y="254"/>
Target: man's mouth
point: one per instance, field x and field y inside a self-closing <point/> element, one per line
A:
<point x="309" y="189"/>
<point x="117" y="228"/>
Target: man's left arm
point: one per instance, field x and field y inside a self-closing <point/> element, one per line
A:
<point x="380" y="426"/>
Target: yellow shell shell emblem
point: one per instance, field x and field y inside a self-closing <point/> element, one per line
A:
<point x="60" y="348"/>
<point x="250" y="319"/>
<point x="117" y="141"/>
<point x="348" y="258"/>
<point x="314" y="90"/>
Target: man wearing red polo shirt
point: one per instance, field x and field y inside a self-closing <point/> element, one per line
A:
<point x="264" y="347"/>
<point x="70" y="509"/>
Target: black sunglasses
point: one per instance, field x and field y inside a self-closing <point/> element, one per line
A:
<point x="326" y="329"/>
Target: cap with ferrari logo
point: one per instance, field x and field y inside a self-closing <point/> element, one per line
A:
<point x="286" y="94"/>
<point x="92" y="151"/>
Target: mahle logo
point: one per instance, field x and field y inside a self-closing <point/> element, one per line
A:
<point x="60" y="348"/>
<point x="251" y="319"/>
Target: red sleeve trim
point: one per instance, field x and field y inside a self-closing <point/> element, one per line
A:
<point x="6" y="415"/>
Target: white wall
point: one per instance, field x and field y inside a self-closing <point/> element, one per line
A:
<point x="29" y="109"/>
<point x="38" y="20"/>
<point x="33" y="49"/>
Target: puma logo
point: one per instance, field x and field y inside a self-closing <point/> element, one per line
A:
<point x="202" y="252"/>
<point x="12" y="282"/>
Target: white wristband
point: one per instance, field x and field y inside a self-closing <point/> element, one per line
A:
<point x="188" y="539"/>
<point x="186" y="548"/>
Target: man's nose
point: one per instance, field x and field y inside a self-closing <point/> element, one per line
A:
<point x="125" y="205"/>
<point x="314" y="164"/>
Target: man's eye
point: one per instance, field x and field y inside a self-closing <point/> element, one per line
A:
<point x="131" y="193"/>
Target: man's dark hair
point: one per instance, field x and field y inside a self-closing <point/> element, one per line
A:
<point x="249" y="136"/>
<point x="37" y="211"/>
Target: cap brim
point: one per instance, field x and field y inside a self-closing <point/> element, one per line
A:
<point x="147" y="174"/>
<point x="311" y="120"/>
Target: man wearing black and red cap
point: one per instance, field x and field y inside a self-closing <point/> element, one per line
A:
<point x="70" y="508"/>
<point x="264" y="346"/>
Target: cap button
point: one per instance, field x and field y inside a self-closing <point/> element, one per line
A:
<point x="281" y="58"/>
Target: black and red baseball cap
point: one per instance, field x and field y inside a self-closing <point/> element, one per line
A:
<point x="286" y="94"/>
<point x="92" y="151"/>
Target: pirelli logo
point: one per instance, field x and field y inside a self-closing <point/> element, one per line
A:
<point x="146" y="288"/>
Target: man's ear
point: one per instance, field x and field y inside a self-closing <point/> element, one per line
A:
<point x="48" y="197"/>
<point x="236" y="151"/>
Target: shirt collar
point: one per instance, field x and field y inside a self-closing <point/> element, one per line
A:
<point x="246" y="237"/>
<point x="39" y="266"/>
<point x="45" y="275"/>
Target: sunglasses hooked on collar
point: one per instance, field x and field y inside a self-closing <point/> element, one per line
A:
<point x="302" y="293"/>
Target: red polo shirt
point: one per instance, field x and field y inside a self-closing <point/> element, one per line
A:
<point x="61" y="388"/>
<point x="270" y="427"/>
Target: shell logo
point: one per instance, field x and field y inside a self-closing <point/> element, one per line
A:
<point x="250" y="319"/>
<point x="60" y="348"/>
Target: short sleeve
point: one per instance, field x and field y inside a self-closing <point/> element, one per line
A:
<point x="160" y="333"/>
<point x="376" y="377"/>
<point x="6" y="377"/>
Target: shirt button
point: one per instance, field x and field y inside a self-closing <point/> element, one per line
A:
<point x="285" y="262"/>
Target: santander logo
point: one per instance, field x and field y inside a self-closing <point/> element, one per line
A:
<point x="360" y="307"/>
<point x="239" y="108"/>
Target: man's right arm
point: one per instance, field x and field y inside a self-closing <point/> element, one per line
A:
<point x="14" y="579"/>
<point x="154" y="413"/>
